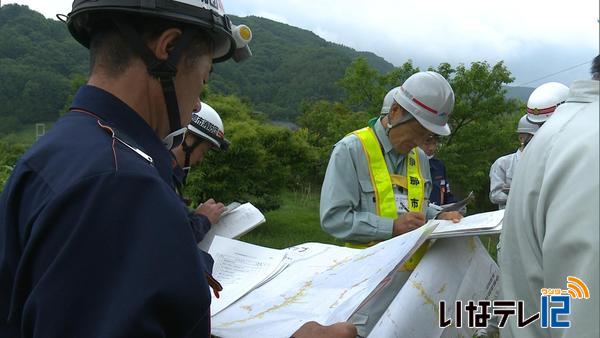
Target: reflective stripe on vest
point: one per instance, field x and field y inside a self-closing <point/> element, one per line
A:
<point x="416" y="188"/>
<point x="380" y="176"/>
<point x="416" y="198"/>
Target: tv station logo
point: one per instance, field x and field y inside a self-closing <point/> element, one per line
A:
<point x="555" y="307"/>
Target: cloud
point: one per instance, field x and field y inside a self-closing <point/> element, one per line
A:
<point x="534" y="37"/>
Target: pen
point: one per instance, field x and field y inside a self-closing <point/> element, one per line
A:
<point x="404" y="207"/>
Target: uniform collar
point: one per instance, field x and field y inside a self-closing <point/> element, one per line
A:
<point x="519" y="153"/>
<point x="126" y="120"/>
<point x="584" y="91"/>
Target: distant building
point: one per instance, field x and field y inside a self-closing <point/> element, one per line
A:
<point x="40" y="130"/>
<point x="289" y="125"/>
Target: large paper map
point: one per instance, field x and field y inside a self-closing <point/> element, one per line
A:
<point x="320" y="282"/>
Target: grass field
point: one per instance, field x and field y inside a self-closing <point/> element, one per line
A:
<point x="297" y="221"/>
<point x="26" y="135"/>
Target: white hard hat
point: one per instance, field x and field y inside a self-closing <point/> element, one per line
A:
<point x="526" y="127"/>
<point x="428" y="97"/>
<point x="388" y="100"/>
<point x="544" y="100"/>
<point x="207" y="124"/>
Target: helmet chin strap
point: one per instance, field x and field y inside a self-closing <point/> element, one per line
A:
<point x="188" y="150"/>
<point x="407" y="117"/>
<point x="164" y="70"/>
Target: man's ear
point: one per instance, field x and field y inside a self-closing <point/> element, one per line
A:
<point x="164" y="43"/>
<point x="396" y="112"/>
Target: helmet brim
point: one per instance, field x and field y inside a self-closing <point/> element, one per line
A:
<point x="434" y="128"/>
<point x="410" y="107"/>
<point x="537" y="119"/>
<point x="220" y="144"/>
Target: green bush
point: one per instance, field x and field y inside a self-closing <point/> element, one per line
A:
<point x="262" y="161"/>
<point x="9" y="154"/>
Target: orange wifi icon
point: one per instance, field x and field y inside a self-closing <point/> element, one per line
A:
<point x="577" y="288"/>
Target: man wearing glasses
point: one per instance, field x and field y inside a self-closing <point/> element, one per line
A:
<point x="378" y="182"/>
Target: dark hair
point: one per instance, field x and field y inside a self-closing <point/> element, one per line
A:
<point x="596" y="68"/>
<point x="113" y="53"/>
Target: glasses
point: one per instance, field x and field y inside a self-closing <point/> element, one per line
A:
<point x="421" y="134"/>
<point x="430" y="139"/>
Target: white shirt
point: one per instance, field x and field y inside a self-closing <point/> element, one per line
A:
<point x="551" y="224"/>
<point x="501" y="175"/>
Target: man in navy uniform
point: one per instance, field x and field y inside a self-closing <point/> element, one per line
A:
<point x="440" y="190"/>
<point x="205" y="132"/>
<point x="94" y="241"/>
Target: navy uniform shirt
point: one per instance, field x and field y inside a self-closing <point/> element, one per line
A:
<point x="94" y="241"/>
<point x="440" y="192"/>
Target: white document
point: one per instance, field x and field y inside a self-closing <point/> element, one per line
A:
<point x="322" y="282"/>
<point x="452" y="269"/>
<point x="230" y="207"/>
<point x="239" y="267"/>
<point x="478" y="224"/>
<point x="234" y="224"/>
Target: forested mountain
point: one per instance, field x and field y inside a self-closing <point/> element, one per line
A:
<point x="327" y="89"/>
<point x="520" y="93"/>
<point x="289" y="65"/>
<point x="38" y="58"/>
<point x="39" y="63"/>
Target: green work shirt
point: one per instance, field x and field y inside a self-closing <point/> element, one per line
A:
<point x="348" y="209"/>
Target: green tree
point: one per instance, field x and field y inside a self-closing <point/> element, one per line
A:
<point x="365" y="87"/>
<point x="362" y="86"/>
<point x="324" y="124"/>
<point x="479" y="93"/>
<point x="262" y="161"/>
<point x="76" y="81"/>
<point x="397" y="76"/>
<point x="483" y="124"/>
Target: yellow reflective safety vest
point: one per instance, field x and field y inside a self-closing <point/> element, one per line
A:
<point x="383" y="182"/>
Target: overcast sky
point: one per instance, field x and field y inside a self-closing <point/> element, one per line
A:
<point x="534" y="38"/>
